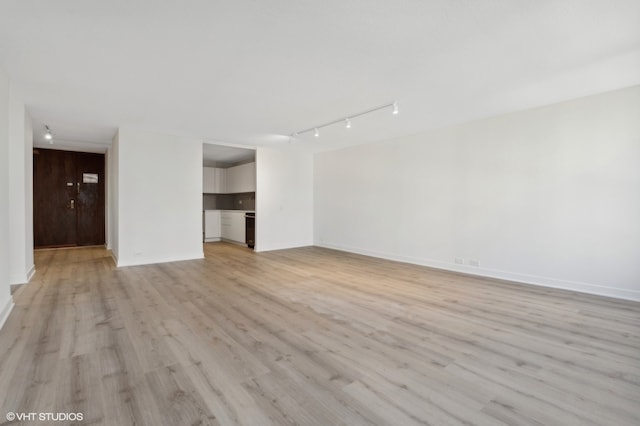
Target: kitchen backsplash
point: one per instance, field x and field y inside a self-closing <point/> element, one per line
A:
<point x="244" y="201"/>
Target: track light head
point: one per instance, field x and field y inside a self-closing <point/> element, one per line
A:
<point x="316" y="133"/>
<point x="48" y="136"/>
<point x="395" y="108"/>
<point x="347" y="123"/>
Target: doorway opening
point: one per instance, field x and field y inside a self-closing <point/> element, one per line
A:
<point x="68" y="198"/>
<point x="229" y="194"/>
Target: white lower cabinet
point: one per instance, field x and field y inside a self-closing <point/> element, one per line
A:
<point x="232" y="226"/>
<point x="212" y="225"/>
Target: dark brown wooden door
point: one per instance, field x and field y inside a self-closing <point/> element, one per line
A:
<point x="90" y="199"/>
<point x="68" y="198"/>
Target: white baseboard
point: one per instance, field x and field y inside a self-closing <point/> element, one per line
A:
<point x="5" y="311"/>
<point x="284" y="246"/>
<point x="23" y="278"/>
<point x="162" y="259"/>
<point x="618" y="293"/>
<point x="31" y="272"/>
<point x="237" y="243"/>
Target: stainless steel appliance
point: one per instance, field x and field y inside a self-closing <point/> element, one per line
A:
<point x="250" y="229"/>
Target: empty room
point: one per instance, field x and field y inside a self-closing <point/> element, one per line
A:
<point x="320" y="213"/>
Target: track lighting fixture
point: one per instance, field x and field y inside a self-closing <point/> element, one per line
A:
<point x="346" y="120"/>
<point x="48" y="135"/>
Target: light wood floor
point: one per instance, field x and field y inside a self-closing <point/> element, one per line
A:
<point x="311" y="336"/>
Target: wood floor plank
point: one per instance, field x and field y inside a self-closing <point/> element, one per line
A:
<point x="181" y="402"/>
<point x="311" y="336"/>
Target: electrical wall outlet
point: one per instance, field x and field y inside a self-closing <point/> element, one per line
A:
<point x="459" y="261"/>
<point x="474" y="262"/>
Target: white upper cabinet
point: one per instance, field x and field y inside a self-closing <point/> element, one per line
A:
<point x="208" y="180"/>
<point x="233" y="176"/>
<point x="241" y="178"/>
<point x="213" y="180"/>
<point x="220" y="180"/>
<point x="233" y="180"/>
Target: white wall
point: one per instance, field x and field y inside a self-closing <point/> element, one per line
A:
<point x="548" y="196"/>
<point x="284" y="199"/>
<point x="6" y="302"/>
<point x="112" y="196"/>
<point x="28" y="191"/>
<point x="159" y="198"/>
<point x="20" y="189"/>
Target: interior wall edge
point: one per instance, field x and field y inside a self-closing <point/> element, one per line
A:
<point x="515" y="277"/>
<point x="6" y="300"/>
<point x="23" y="278"/>
<point x="6" y="310"/>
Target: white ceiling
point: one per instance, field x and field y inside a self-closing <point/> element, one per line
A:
<point x="216" y="153"/>
<point x="252" y="72"/>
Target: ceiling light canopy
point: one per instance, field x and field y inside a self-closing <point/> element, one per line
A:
<point x="346" y="120"/>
